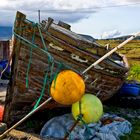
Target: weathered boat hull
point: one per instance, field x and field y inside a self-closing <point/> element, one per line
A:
<point x="66" y="48"/>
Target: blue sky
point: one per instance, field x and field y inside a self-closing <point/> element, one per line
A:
<point x="85" y="16"/>
<point x="120" y="20"/>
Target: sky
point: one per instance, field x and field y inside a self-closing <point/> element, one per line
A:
<point x="100" y="19"/>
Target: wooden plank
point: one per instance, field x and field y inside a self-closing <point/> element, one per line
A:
<point x="108" y="65"/>
<point x="76" y="40"/>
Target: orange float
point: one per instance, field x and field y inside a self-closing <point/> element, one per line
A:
<point x="67" y="88"/>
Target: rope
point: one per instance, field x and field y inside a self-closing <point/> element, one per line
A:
<point x="50" y="61"/>
<point x="80" y="109"/>
<point x="42" y="39"/>
<point x="50" y="70"/>
<point x="79" y="118"/>
<point x="46" y="78"/>
<point x="42" y="91"/>
<point x="56" y="73"/>
<point x="28" y="43"/>
<point x="30" y="61"/>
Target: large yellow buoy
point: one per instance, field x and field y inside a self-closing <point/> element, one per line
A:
<point x="91" y="108"/>
<point x="67" y="88"/>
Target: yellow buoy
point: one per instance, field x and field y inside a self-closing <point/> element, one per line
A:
<point x="67" y="88"/>
<point x="91" y="108"/>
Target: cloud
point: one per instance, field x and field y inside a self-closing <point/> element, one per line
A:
<point x="132" y="1"/>
<point x="66" y="10"/>
<point x="111" y="34"/>
<point x="125" y="2"/>
<point x="49" y="4"/>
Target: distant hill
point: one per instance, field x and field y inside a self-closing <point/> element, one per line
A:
<point x="90" y="38"/>
<point x="123" y="38"/>
<point x="5" y="32"/>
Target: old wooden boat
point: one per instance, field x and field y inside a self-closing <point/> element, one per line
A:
<point x="49" y="48"/>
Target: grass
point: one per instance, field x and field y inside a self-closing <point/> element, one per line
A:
<point x="132" y="52"/>
<point x="134" y="73"/>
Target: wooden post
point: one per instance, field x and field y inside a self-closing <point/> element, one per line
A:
<point x="39" y="20"/>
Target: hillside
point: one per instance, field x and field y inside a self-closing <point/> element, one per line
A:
<point x="123" y="38"/>
<point x="131" y="50"/>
